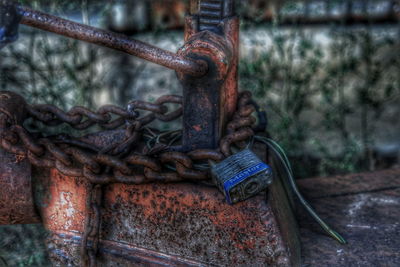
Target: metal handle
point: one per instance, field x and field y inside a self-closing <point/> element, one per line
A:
<point x="112" y="40"/>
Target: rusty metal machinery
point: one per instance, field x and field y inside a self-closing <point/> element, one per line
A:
<point x="134" y="196"/>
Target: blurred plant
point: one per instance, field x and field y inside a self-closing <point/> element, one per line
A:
<point x="46" y="68"/>
<point x="51" y="68"/>
<point x="22" y="245"/>
<point x="311" y="90"/>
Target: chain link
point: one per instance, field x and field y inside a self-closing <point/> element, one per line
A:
<point x="106" y="166"/>
<point x="92" y="226"/>
<point x="117" y="163"/>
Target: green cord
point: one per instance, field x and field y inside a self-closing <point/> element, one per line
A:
<point x="281" y="155"/>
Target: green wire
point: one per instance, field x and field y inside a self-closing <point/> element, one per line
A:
<point x="281" y="155"/>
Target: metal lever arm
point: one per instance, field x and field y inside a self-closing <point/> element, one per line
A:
<point x="112" y="40"/>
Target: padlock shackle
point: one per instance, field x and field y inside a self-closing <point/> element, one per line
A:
<point x="112" y="40"/>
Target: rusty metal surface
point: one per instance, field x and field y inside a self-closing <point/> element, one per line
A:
<point x="97" y="190"/>
<point x="63" y="249"/>
<point x="16" y="196"/>
<point x="195" y="223"/>
<point x="127" y="161"/>
<point x="69" y="205"/>
<point x="160" y="225"/>
<point x="369" y="219"/>
<point x="209" y="101"/>
<point x="112" y="40"/>
<point x="230" y="93"/>
<point x="365" y="210"/>
<point x="185" y="225"/>
<point x="93" y="193"/>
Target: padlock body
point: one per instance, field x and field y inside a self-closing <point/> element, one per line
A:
<point x="241" y="176"/>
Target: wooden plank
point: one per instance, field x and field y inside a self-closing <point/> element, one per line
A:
<point x="350" y="184"/>
<point x="364" y="209"/>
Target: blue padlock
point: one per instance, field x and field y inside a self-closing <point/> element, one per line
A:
<point x="241" y="176"/>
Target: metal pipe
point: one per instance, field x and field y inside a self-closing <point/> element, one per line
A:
<point x="112" y="40"/>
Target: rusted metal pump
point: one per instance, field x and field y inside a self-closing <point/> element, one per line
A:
<point x="105" y="201"/>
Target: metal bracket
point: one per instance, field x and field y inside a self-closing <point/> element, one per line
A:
<point x="211" y="35"/>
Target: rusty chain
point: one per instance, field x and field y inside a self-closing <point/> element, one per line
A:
<point x="116" y="163"/>
<point x="92" y="226"/>
<point x="105" y="166"/>
<point x="82" y="118"/>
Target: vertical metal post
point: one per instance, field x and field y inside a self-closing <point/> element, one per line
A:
<point x="16" y="198"/>
<point x="212" y="35"/>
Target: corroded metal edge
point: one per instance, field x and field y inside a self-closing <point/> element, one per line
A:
<point x="169" y="225"/>
<point x="210" y="101"/>
<point x="280" y="200"/>
<point x="16" y="198"/>
<point x="112" y="252"/>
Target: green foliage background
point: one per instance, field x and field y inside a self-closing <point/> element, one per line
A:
<point x="310" y="90"/>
